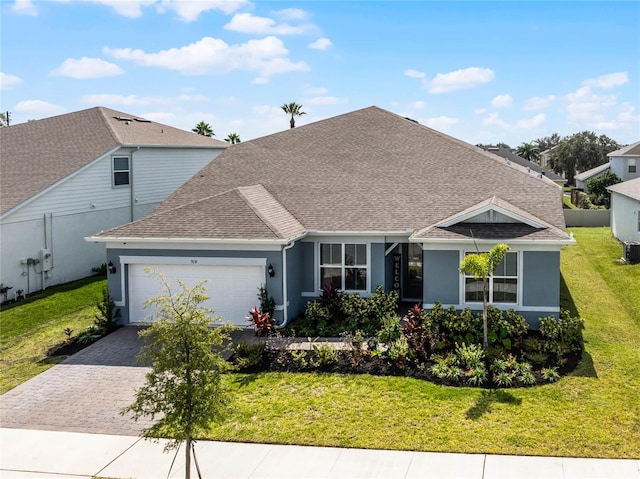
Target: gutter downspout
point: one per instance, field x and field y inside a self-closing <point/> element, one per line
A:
<point x="131" y="200"/>
<point x="285" y="315"/>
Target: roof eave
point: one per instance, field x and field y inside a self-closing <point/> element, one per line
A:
<point x="203" y="241"/>
<point x="546" y="242"/>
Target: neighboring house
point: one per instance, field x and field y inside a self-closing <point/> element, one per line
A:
<point x="68" y="176"/>
<point x="583" y="178"/>
<point x="359" y="200"/>
<point x="509" y="154"/>
<point x="625" y="162"/>
<point x="545" y="157"/>
<point x="625" y="210"/>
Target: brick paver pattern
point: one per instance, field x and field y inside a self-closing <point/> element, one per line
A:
<point x="84" y="393"/>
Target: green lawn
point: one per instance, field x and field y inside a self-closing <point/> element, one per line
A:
<point x="29" y="328"/>
<point x="594" y="412"/>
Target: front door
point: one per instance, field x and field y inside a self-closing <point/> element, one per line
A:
<point x="412" y="272"/>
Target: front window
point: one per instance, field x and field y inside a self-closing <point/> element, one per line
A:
<point x="344" y="265"/>
<point x="503" y="284"/>
<point x="120" y="170"/>
<point x="632" y="165"/>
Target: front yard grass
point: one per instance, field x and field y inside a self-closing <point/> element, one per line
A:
<point x="29" y="328"/>
<point x="593" y="412"/>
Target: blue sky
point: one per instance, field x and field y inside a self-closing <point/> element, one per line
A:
<point x="483" y="72"/>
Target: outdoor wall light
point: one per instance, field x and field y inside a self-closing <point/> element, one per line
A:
<point x="111" y="268"/>
<point x="271" y="271"/>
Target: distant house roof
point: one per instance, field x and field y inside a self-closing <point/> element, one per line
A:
<point x="629" y="188"/>
<point x="508" y="154"/>
<point x="629" y="150"/>
<point x="37" y="154"/>
<point x="366" y="171"/>
<point x="586" y="175"/>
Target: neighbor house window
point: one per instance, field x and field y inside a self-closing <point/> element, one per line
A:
<point x="120" y="170"/>
<point x="503" y="284"/>
<point x="632" y="165"/>
<point x="344" y="265"/>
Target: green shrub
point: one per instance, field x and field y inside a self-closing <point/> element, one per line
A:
<point x="398" y="350"/>
<point x="325" y="355"/>
<point x="550" y="374"/>
<point x="316" y="320"/>
<point x="107" y="321"/>
<point x="389" y="328"/>
<point x="248" y="355"/>
<point x="469" y="356"/>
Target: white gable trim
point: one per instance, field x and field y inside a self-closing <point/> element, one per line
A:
<point x="490" y="207"/>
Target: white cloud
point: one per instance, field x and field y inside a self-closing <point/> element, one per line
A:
<point x="292" y="14"/>
<point x="441" y="122"/>
<point x="248" y="23"/>
<point x="127" y="8"/>
<point x="460" y="79"/>
<point x="607" y="81"/>
<point x="539" y="102"/>
<point x="160" y="116"/>
<point x="417" y="105"/>
<point x="260" y="81"/>
<point x="309" y="90"/>
<point x="25" y="7"/>
<point x="38" y="108"/>
<point x="586" y="106"/>
<point x="494" y="120"/>
<point x="86" y="68"/>
<point x="502" y="101"/>
<point x="480" y="111"/>
<point x="321" y="44"/>
<point x="266" y="56"/>
<point x="414" y="74"/>
<point x="191" y="10"/>
<point x="116" y="99"/>
<point x="8" y="81"/>
<point x="325" y="100"/>
<point x="534" y="122"/>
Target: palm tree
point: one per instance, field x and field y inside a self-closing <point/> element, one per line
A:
<point x="203" y="129"/>
<point x="528" y="151"/>
<point x="294" y="110"/>
<point x="232" y="138"/>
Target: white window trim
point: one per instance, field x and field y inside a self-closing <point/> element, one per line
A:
<point x="500" y="304"/>
<point x="113" y="171"/>
<point x="343" y="243"/>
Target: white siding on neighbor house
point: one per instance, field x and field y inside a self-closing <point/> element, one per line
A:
<point x="624" y="217"/>
<point x="620" y="166"/>
<point x="86" y="203"/>
<point x="158" y="172"/>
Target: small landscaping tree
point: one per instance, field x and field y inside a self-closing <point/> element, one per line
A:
<point x="184" y="385"/>
<point x="481" y="266"/>
<point x="598" y="193"/>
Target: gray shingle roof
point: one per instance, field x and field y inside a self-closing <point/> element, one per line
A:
<point x="508" y="154"/>
<point x="585" y="175"/>
<point x="630" y="188"/>
<point x="630" y="150"/>
<point x="36" y="154"/>
<point x="368" y="170"/>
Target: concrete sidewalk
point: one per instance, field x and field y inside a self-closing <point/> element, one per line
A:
<point x="46" y="454"/>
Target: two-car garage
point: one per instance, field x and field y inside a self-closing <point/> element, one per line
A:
<point x="232" y="284"/>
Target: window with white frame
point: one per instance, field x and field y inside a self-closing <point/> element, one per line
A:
<point x="632" y="165"/>
<point x="503" y="284"/>
<point x="121" y="170"/>
<point x="344" y="265"/>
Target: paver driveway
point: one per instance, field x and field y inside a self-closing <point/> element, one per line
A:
<point x="84" y="393"/>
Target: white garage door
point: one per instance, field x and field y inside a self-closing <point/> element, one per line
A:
<point x="233" y="290"/>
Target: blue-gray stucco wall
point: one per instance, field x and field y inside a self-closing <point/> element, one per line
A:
<point x="273" y="285"/>
<point x="441" y="276"/>
<point x="296" y="272"/>
<point x="541" y="278"/>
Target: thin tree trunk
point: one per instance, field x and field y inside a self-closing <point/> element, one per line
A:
<point x="485" y="329"/>
<point x="187" y="459"/>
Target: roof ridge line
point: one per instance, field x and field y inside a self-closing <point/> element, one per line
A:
<point x="260" y="214"/>
<point x="103" y="115"/>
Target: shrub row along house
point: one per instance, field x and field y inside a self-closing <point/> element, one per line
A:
<point x="68" y="176"/>
<point x="359" y="200"/>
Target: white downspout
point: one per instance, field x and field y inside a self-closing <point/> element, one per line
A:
<point x="285" y="315"/>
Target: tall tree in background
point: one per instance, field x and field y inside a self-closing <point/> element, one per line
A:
<point x="232" y="138"/>
<point x="528" y="151"/>
<point x="581" y="152"/>
<point x="547" y="142"/>
<point x="203" y="129"/>
<point x="597" y="187"/>
<point x="184" y="385"/>
<point x="4" y="119"/>
<point x="294" y="110"/>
